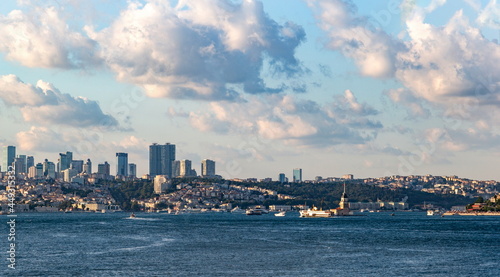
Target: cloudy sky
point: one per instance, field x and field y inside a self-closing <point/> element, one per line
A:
<point x="371" y="88"/>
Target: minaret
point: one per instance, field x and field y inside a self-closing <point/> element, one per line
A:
<point x="344" y="200"/>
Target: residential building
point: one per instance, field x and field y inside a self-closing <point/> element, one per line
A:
<point x="185" y="168"/>
<point x="160" y="159"/>
<point x="77" y="165"/>
<point x="87" y="167"/>
<point x="103" y="169"/>
<point x="64" y="161"/>
<point x="207" y="168"/>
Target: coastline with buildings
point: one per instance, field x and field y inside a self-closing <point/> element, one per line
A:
<point x="72" y="185"/>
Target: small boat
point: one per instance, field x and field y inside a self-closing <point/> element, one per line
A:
<point x="280" y="214"/>
<point x="132" y="215"/>
<point x="253" y="212"/>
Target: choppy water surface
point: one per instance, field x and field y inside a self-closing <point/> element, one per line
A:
<point x="224" y="244"/>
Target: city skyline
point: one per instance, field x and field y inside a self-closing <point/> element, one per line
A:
<point x="369" y="88"/>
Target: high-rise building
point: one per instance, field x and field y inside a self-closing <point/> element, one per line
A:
<point x="87" y="167"/>
<point x="64" y="161"/>
<point x="9" y="154"/>
<point x="77" y="165"/>
<point x="32" y="172"/>
<point x="49" y="169"/>
<point x="282" y="178"/>
<point x="30" y="161"/>
<point x="132" y="170"/>
<point x="160" y="183"/>
<point x="39" y="170"/>
<point x="176" y="169"/>
<point x="160" y="159"/>
<point x="19" y="165"/>
<point x="122" y="164"/>
<point x="103" y="169"/>
<point x="207" y="168"/>
<point x="297" y="175"/>
<point x="185" y="168"/>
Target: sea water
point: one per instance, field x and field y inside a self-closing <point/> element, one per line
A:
<point x="225" y="244"/>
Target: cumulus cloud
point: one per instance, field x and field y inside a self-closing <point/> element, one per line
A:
<point x="293" y="120"/>
<point x="451" y="62"/>
<point x="372" y="49"/>
<point x="444" y="65"/>
<point x="41" y="38"/>
<point x="44" y="104"/>
<point x="199" y="49"/>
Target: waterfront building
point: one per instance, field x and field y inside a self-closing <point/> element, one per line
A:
<point x="207" y="168"/>
<point x="121" y="164"/>
<point x="297" y="175"/>
<point x="87" y="167"/>
<point x="282" y="178"/>
<point x="160" y="159"/>
<point x="9" y="154"/>
<point x="132" y="170"/>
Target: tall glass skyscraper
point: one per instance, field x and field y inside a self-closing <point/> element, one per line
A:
<point x="297" y="175"/>
<point x="160" y="159"/>
<point x="122" y="164"/>
<point x="9" y="154"/>
<point x="65" y="160"/>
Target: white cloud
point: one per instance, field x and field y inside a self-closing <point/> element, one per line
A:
<point x="371" y="48"/>
<point x="44" y="104"/>
<point x="41" y="38"/>
<point x="292" y="120"/>
<point x="448" y="63"/>
<point x="490" y="15"/>
<point x="194" y="50"/>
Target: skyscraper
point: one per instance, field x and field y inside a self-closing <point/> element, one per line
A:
<point x="297" y="175"/>
<point x="77" y="165"/>
<point x="176" y="169"/>
<point x="30" y="161"/>
<point x="185" y="168"/>
<point x="132" y="170"/>
<point x="9" y="154"/>
<point x="103" y="169"/>
<point x="87" y="167"/>
<point x="21" y="164"/>
<point x="122" y="164"/>
<point x="282" y="178"/>
<point x="160" y="159"/>
<point x="65" y="160"/>
<point x="207" y="168"/>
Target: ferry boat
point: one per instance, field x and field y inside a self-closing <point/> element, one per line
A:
<point x="315" y="212"/>
<point x="433" y="212"/>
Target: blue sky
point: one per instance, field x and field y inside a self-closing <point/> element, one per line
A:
<point x="371" y="88"/>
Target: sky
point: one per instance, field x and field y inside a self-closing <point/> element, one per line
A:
<point x="369" y="88"/>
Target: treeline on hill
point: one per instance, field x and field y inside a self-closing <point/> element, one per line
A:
<point x="124" y="192"/>
<point x="328" y="195"/>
